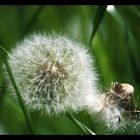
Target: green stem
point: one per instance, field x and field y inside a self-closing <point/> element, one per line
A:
<point x="97" y="20"/>
<point x="4" y="50"/>
<point x="87" y="129"/>
<point x="81" y="126"/>
<point x="27" y="118"/>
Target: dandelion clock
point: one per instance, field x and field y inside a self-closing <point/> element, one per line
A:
<point x="53" y="73"/>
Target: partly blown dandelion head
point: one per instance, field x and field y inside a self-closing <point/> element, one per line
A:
<point x="116" y="108"/>
<point x="53" y="73"/>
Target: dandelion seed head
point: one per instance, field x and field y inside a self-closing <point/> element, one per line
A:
<point x="111" y="115"/>
<point x="53" y="73"/>
<point x="94" y="103"/>
<point x="107" y="113"/>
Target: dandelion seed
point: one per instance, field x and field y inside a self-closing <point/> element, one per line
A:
<point x="53" y="73"/>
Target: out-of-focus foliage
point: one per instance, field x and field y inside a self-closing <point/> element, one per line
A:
<point x="115" y="47"/>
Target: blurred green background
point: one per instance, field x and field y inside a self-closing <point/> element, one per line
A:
<point x="115" y="47"/>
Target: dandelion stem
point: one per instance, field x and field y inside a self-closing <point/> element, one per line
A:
<point x="84" y="128"/>
<point x="27" y="118"/>
<point x="97" y="20"/>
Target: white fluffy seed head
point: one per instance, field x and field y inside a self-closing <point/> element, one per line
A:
<point x="107" y="113"/>
<point x="53" y="73"/>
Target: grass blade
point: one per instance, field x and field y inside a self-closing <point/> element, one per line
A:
<point x="97" y="20"/>
<point x="32" y="20"/>
<point x="84" y="128"/>
<point x="27" y="118"/>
